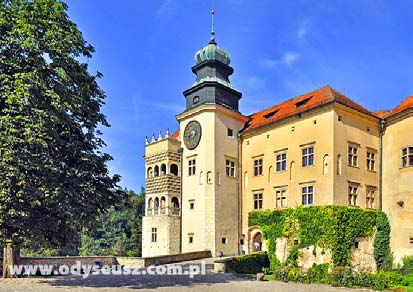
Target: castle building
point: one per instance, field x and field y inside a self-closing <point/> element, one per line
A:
<point x="320" y="148"/>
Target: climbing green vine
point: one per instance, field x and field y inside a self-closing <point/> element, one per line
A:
<point x="329" y="227"/>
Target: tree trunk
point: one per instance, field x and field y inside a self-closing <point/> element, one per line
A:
<point x="11" y="256"/>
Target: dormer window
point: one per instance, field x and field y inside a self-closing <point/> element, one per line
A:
<point x="195" y="100"/>
<point x="303" y="102"/>
<point x="270" y="114"/>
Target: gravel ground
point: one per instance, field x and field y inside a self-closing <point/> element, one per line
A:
<point x="210" y="282"/>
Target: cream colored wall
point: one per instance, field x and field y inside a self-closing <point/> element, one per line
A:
<point x="398" y="184"/>
<point x="315" y="127"/>
<point x="216" y="205"/>
<point x="168" y="230"/>
<point x="353" y="128"/>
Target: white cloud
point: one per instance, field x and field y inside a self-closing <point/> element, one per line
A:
<point x="290" y="58"/>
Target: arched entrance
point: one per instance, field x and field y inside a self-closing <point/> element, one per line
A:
<point x="257" y="242"/>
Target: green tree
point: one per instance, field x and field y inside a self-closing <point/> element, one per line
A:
<point x="54" y="176"/>
<point x="119" y="231"/>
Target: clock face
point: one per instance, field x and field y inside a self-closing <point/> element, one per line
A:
<point x="192" y="135"/>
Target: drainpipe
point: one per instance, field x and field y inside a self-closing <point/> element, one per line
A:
<point x="181" y="151"/>
<point x="239" y="191"/>
<point x="382" y="126"/>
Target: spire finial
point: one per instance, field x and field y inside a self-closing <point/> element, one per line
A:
<point x="213" y="24"/>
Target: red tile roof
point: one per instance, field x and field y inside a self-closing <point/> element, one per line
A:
<point x="383" y="114"/>
<point x="305" y="102"/>
<point x="407" y="103"/>
<point x="175" y="135"/>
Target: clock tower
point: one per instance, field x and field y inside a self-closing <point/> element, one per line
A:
<point x="210" y="158"/>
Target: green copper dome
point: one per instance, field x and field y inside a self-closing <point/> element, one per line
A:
<point x="212" y="53"/>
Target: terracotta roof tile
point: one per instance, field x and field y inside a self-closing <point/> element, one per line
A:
<point x="383" y="113"/>
<point x="302" y="103"/>
<point x="176" y="134"/>
<point x="407" y="103"/>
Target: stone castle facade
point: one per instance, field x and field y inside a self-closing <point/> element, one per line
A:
<point x="320" y="148"/>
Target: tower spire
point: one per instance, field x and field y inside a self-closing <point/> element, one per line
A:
<point x="212" y="41"/>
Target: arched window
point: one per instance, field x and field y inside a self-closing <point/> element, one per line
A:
<point x="149" y="173"/>
<point x="156" y="171"/>
<point x="292" y="170"/>
<point x="163" y="169"/>
<point x="326" y="161"/>
<point x="246" y="180"/>
<point x="150" y="206"/>
<point x="174" y="169"/>
<point x="175" y="206"/>
<point x="163" y="205"/>
<point x="269" y="174"/>
<point x="156" y="206"/>
<point x="339" y="164"/>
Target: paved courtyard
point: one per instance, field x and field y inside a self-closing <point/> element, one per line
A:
<point x="210" y="282"/>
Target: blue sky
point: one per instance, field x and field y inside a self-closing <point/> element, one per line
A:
<point x="279" y="49"/>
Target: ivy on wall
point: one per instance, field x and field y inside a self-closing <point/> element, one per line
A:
<point x="329" y="227"/>
<point x="382" y="253"/>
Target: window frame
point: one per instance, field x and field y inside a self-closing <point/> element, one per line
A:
<point x="353" y="155"/>
<point x="307" y="155"/>
<point x="258" y="166"/>
<point x="154" y="237"/>
<point x="280" y="194"/>
<point x="371" y="156"/>
<point x="281" y="161"/>
<point x="258" y="200"/>
<point x="371" y="197"/>
<point x="191" y="166"/>
<point x="307" y="194"/>
<point x="230" y="133"/>
<point x="353" y="195"/>
<point x="230" y="167"/>
<point x="406" y="158"/>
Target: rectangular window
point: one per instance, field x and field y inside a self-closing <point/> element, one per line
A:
<point x="407" y="156"/>
<point x="280" y="198"/>
<point x="353" y="156"/>
<point x="230" y="167"/>
<point x="258" y="201"/>
<point x="224" y="240"/>
<point x="411" y="240"/>
<point x="371" y="160"/>
<point x="191" y="167"/>
<point x="190" y="238"/>
<point x="281" y="162"/>
<point x="230" y="133"/>
<point x="370" y="198"/>
<point x="353" y="195"/>
<point x="308" y="156"/>
<point x="257" y="167"/>
<point x="307" y="194"/>
<point x="154" y="234"/>
<point x="192" y="204"/>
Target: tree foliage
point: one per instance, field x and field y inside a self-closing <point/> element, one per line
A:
<point x="118" y="232"/>
<point x="54" y="176"/>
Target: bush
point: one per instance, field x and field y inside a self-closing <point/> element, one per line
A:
<point x="249" y="264"/>
<point x="407" y="267"/>
<point x="382" y="253"/>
